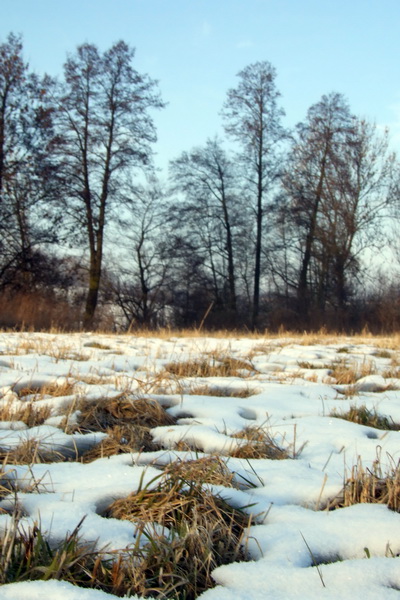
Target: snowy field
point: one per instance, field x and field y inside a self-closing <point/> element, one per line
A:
<point x="313" y="534"/>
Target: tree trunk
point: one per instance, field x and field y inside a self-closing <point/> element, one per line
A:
<point x="303" y="300"/>
<point x="93" y="291"/>
<point x="257" y="265"/>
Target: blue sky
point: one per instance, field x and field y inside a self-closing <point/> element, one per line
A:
<point x="195" y="49"/>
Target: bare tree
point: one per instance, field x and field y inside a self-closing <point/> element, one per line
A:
<point x="25" y="138"/>
<point x="105" y="131"/>
<point x="357" y="198"/>
<point x="316" y="151"/>
<point x="211" y="212"/>
<point x="338" y="180"/>
<point x="143" y="267"/>
<point x="253" y="118"/>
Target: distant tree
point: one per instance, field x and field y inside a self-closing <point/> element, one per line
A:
<point x="317" y="150"/>
<point x="338" y="179"/>
<point x="190" y="288"/>
<point x="143" y="269"/>
<point x="357" y="198"/>
<point x="26" y="135"/>
<point x="210" y="213"/>
<point x="105" y="131"/>
<point x="253" y="118"/>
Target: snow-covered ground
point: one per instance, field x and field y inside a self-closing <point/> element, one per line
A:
<point x="290" y="393"/>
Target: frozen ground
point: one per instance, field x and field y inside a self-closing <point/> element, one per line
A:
<point x="291" y="393"/>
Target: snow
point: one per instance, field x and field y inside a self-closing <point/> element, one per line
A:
<point x="56" y="590"/>
<point x="292" y="396"/>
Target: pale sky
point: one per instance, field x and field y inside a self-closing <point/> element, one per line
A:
<point x="195" y="48"/>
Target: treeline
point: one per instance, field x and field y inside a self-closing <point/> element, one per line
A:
<point x="265" y="228"/>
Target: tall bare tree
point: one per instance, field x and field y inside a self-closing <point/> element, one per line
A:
<point x="253" y="118"/>
<point x="143" y="269"/>
<point x="25" y="136"/>
<point x="211" y="210"/>
<point x="105" y="131"/>
<point x="339" y="181"/>
<point x="316" y="153"/>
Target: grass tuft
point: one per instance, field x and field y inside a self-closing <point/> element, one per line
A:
<point x="196" y="533"/>
<point x="97" y="345"/>
<point x="127" y="421"/>
<point x="210" y="470"/>
<point x="28" y="413"/>
<point x="259" y="444"/>
<point x="54" y="390"/>
<point x="32" y="452"/>
<point x="370" y="486"/>
<point x="348" y="374"/>
<point x="364" y="416"/>
<point x="215" y="365"/>
<point x="220" y="392"/>
<point x="26" y="554"/>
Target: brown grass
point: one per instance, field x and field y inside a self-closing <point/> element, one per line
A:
<point x="31" y="452"/>
<point x="108" y="412"/>
<point x="121" y="440"/>
<point x="211" y="366"/>
<point x="201" y="532"/>
<point x="363" y="416"/>
<point x="370" y="486"/>
<point x="210" y="469"/>
<point x="259" y="444"/>
<point x="348" y="374"/>
<point x="391" y="373"/>
<point x="48" y="389"/>
<point x="127" y="421"/>
<point x="28" y="413"/>
<point x="97" y="345"/>
<point x="220" y="392"/>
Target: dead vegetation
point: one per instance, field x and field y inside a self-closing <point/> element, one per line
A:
<point x="220" y="392"/>
<point x="364" y="416"/>
<point x="28" y="555"/>
<point x="214" y="365"/>
<point x="127" y="422"/>
<point x="32" y="451"/>
<point x="47" y="390"/>
<point x="209" y="469"/>
<point x="28" y="413"/>
<point x="346" y="373"/>
<point x="370" y="486"/>
<point x="194" y="533"/>
<point x="183" y="531"/>
<point x="258" y="444"/>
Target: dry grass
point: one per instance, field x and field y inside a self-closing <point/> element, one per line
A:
<point x="214" y="365"/>
<point x="127" y="421"/>
<point x="47" y="345"/>
<point x="210" y="469"/>
<point x="28" y="413"/>
<point x="31" y="452"/>
<point x="391" y="373"/>
<point x="107" y="412"/>
<point x="29" y="555"/>
<point x="372" y="487"/>
<point x="196" y="533"/>
<point x="259" y="444"/>
<point x="363" y="416"/>
<point x="348" y="374"/>
<point x="55" y="390"/>
<point x="97" y="345"/>
<point x="383" y="353"/>
<point x="121" y="440"/>
<point x="220" y="392"/>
